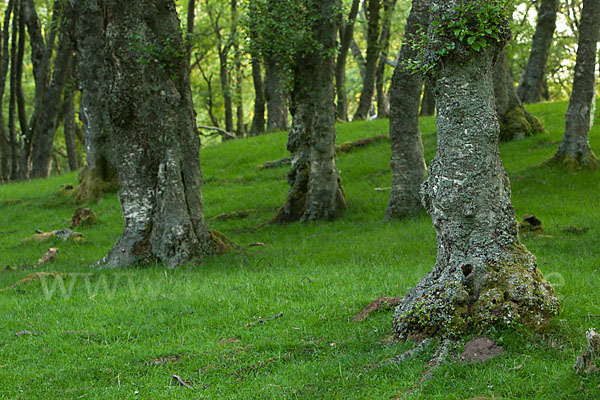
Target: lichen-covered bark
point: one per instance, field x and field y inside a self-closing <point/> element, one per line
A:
<point x="574" y="150"/>
<point x="407" y="162"/>
<point x="99" y="173"/>
<point x="373" y="46"/>
<point x="325" y="195"/>
<point x="69" y="124"/>
<point x="531" y="86"/>
<point x="277" y="114"/>
<point x="299" y="141"/>
<point x="153" y="135"/>
<point x="515" y="121"/>
<point x="483" y="275"/>
<point x="315" y="186"/>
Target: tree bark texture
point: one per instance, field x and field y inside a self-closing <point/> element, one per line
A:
<point x="407" y="163"/>
<point x="574" y="150"/>
<point x="483" y="275"/>
<point x="69" y="124"/>
<point x="373" y="47"/>
<point x="153" y="135"/>
<point x="277" y="113"/>
<point x="43" y="138"/>
<point x="315" y="186"/>
<point x="99" y="173"/>
<point x="515" y="121"/>
<point x="531" y="86"/>
<point x="346" y="35"/>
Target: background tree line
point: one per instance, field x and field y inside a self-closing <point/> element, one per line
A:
<point x="239" y="79"/>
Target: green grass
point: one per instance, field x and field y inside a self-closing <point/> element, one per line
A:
<point x="97" y="344"/>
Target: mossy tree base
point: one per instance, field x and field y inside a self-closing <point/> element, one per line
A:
<point x="451" y="302"/>
<point x="519" y="123"/>
<point x="93" y="184"/>
<point x="583" y="160"/>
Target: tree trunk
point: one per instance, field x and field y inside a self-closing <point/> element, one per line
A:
<point x="408" y="163"/>
<point x="427" y="102"/>
<point x="515" y="121"/>
<point x="373" y="47"/>
<point x="346" y="35"/>
<point x="69" y="123"/>
<point x="383" y="100"/>
<point x="48" y="114"/>
<point x="225" y="78"/>
<point x="531" y="86"/>
<point x="20" y="93"/>
<point x="574" y="150"/>
<point x="4" y="133"/>
<point x="316" y="192"/>
<point x="99" y="174"/>
<point x="258" y="120"/>
<point x="360" y="60"/>
<point x="41" y="59"/>
<point x="277" y="118"/>
<point x="153" y="135"/>
<point x="12" y="108"/>
<point x="325" y="194"/>
<point x="483" y="275"/>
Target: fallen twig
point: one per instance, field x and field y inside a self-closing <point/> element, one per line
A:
<point x="257" y="244"/>
<point x="178" y="379"/>
<point x="377" y="304"/>
<point x="261" y="320"/>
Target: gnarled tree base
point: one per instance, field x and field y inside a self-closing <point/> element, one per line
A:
<point x="510" y="291"/>
<point x="519" y="123"/>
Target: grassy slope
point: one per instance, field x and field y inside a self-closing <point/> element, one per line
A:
<point x="97" y="343"/>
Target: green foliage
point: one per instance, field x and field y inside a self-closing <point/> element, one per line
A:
<point x="191" y="322"/>
<point x="471" y="27"/>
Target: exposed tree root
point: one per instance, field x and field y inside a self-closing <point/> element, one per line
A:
<point x="235" y="214"/>
<point x="439" y="357"/>
<point x="378" y="303"/>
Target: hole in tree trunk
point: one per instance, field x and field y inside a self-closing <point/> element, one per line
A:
<point x="467" y="269"/>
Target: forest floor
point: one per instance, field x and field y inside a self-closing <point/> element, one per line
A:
<point x="124" y="334"/>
